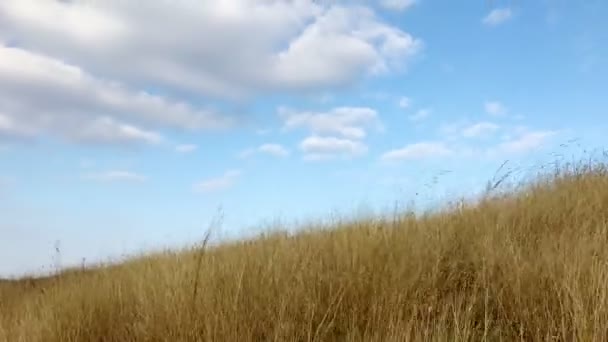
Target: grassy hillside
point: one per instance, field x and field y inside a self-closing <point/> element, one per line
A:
<point x="531" y="265"/>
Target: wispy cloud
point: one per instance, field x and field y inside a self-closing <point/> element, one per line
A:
<point x="420" y="115"/>
<point x="223" y="182"/>
<point x="115" y="176"/>
<point x="497" y="16"/>
<point x="271" y="149"/>
<point x="186" y="148"/>
<point x="479" y="129"/>
<point x="495" y="108"/>
<point x="275" y="150"/>
<point x="106" y="130"/>
<point x="526" y="142"/>
<point x="419" y="150"/>
<point x="405" y="102"/>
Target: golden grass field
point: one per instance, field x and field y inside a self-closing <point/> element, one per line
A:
<point x="529" y="264"/>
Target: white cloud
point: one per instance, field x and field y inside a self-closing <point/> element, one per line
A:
<point x="186" y="148"/>
<point x="341" y="43"/>
<point x="115" y="176"/>
<point x="320" y="148"/>
<point x="337" y="133"/>
<point x="227" y="180"/>
<point x="479" y="129"/>
<point x="452" y="130"/>
<point x="497" y="16"/>
<point x="323" y="98"/>
<point x="513" y="138"/>
<point x="66" y="68"/>
<point x="397" y="5"/>
<point x="526" y="142"/>
<point x="40" y="96"/>
<point x="420" y="114"/>
<point x="115" y="57"/>
<point x="405" y="102"/>
<point x="349" y="122"/>
<point x="106" y="130"/>
<point x="275" y="150"/>
<point x="246" y="153"/>
<point x="297" y="45"/>
<point x="495" y="108"/>
<point x="9" y="128"/>
<point x="417" y="151"/>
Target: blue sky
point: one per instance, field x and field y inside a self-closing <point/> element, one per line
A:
<point x="125" y="125"/>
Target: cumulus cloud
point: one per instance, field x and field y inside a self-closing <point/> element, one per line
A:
<point x="342" y="43"/>
<point x="479" y="129"/>
<point x="186" y="148"/>
<point x="107" y="130"/>
<point x="495" y="108"/>
<point x="337" y="133"/>
<point x="497" y="16"/>
<point x="223" y="182"/>
<point x="348" y="122"/>
<point x="82" y="67"/>
<point x="40" y="95"/>
<point x="10" y="128"/>
<point x="397" y="5"/>
<point x="115" y="176"/>
<point x="419" y="150"/>
<point x="297" y="45"/>
<point x="322" y="148"/>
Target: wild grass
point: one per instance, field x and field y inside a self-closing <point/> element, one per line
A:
<point x="530" y="264"/>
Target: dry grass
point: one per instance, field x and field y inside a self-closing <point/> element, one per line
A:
<point x="528" y="265"/>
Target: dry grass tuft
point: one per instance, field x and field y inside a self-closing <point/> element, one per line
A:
<point x="528" y="265"/>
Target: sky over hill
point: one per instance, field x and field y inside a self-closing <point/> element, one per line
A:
<point x="124" y="125"/>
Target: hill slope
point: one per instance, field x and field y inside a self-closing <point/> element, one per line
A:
<point x="530" y="265"/>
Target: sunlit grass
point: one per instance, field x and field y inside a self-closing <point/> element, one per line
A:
<point x="528" y="264"/>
